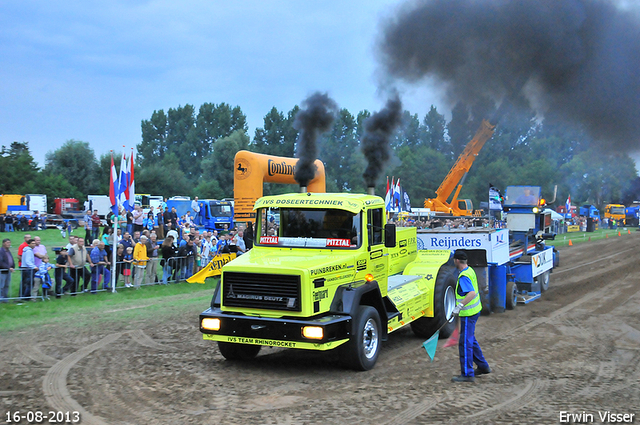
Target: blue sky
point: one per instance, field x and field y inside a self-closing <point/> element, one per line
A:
<point x="92" y="71"/>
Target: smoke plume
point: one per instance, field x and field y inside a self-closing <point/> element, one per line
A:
<point x="378" y="130"/>
<point x="314" y="118"/>
<point x="580" y="58"/>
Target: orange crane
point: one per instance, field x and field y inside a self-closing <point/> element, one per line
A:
<point x="456" y="176"/>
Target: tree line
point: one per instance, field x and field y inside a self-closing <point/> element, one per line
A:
<point x="182" y="152"/>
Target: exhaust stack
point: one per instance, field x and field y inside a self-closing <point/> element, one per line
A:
<point x="371" y="190"/>
<point x="303" y="189"/>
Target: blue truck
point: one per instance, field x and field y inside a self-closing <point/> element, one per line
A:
<point x="632" y="214"/>
<point x="592" y="214"/>
<point x="215" y="214"/>
<point x="590" y="211"/>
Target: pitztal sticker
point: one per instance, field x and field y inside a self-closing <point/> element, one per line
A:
<point x="269" y="240"/>
<point x="338" y="242"/>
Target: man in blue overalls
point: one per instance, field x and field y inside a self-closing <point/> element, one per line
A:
<point x="468" y="307"/>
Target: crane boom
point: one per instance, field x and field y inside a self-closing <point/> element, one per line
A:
<point x="457" y="174"/>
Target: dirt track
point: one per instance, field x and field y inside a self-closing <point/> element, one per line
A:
<point x="577" y="349"/>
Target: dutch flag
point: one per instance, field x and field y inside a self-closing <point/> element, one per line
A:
<point x="113" y="187"/>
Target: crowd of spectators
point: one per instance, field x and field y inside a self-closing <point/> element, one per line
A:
<point x="18" y="222"/>
<point x="151" y="248"/>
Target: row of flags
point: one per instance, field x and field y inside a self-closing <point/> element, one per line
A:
<point x="122" y="189"/>
<point x="396" y="199"/>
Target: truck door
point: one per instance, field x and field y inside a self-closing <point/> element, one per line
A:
<point x="378" y="257"/>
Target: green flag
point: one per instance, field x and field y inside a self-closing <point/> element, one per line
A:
<point x="431" y="344"/>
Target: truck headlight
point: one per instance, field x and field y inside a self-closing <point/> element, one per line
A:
<point x="211" y="324"/>
<point x="313" y="332"/>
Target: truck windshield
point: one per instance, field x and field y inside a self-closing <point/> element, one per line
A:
<point x="309" y="228"/>
<point x="220" y="210"/>
<point x="522" y="195"/>
<point x="617" y="210"/>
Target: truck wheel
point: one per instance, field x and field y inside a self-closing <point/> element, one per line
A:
<point x="238" y="351"/>
<point x="444" y="300"/>
<point x="512" y="296"/>
<point x="361" y="352"/>
<point x="543" y="279"/>
<point x="556" y="257"/>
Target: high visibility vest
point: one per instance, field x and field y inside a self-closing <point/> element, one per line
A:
<point x="474" y="306"/>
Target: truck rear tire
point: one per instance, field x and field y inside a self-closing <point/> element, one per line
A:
<point x="361" y="351"/>
<point x="232" y="351"/>
<point x="444" y="300"/>
<point x="512" y="296"/>
<point x="543" y="279"/>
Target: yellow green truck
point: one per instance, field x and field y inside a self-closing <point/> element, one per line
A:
<point x="328" y="273"/>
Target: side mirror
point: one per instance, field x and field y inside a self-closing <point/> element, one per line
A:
<point x="389" y="235"/>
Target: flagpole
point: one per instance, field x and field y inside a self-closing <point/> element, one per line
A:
<point x="114" y="247"/>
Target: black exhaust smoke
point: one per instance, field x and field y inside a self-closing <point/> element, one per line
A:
<point x="581" y="57"/>
<point x="316" y="117"/>
<point x="378" y="130"/>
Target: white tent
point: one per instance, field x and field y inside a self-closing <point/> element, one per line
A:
<point x="554" y="215"/>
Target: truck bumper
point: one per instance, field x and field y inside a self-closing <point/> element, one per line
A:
<point x="277" y="332"/>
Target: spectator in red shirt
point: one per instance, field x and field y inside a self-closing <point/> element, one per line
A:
<point x="95" y="225"/>
<point x="21" y="248"/>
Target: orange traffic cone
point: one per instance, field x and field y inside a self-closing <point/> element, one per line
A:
<point x="570" y="243"/>
<point x="606" y="236"/>
<point x="629" y="231"/>
<point x="619" y="234"/>
<point x="589" y="238"/>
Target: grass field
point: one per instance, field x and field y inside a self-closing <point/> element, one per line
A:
<point x="585" y="237"/>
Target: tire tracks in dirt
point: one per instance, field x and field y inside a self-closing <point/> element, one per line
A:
<point x="55" y="381"/>
<point x="54" y="385"/>
<point x="34" y="353"/>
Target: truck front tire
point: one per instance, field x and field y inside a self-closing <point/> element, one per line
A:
<point x="444" y="300"/>
<point x="238" y="351"/>
<point x="361" y="352"/>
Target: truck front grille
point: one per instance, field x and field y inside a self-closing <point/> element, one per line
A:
<point x="260" y="290"/>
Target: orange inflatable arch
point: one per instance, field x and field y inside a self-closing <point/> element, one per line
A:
<point x="252" y="170"/>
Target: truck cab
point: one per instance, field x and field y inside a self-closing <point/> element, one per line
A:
<point x="615" y="212"/>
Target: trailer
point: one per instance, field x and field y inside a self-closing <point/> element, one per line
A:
<point x="102" y="203"/>
<point x="513" y="265"/>
<point x="25" y="204"/>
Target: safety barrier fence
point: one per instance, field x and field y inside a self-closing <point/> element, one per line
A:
<point x="73" y="281"/>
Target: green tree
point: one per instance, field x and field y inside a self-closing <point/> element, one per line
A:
<point x="153" y="146"/>
<point x="421" y="172"/>
<point x="217" y="167"/>
<point x="277" y="137"/>
<point x="76" y="161"/>
<point x="458" y="129"/>
<point x="598" y="178"/>
<point x="434" y="125"/>
<point x="163" y="178"/>
<point x="409" y="133"/>
<point x="336" y="149"/>
<point x="18" y="168"/>
<point x="54" y="186"/>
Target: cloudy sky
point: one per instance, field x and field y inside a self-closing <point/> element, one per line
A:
<point x="92" y="71"/>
